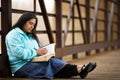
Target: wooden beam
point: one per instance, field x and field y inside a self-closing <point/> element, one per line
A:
<point x="87" y="9"/>
<point x="109" y="37"/>
<point x="92" y="27"/>
<point x="75" y="55"/>
<point x="87" y="22"/>
<point x="85" y="47"/>
<point x="34" y="5"/>
<point x="118" y="18"/>
<point x="58" y="23"/>
<point x="46" y="20"/>
<point x="5" y="27"/>
<point x="80" y="20"/>
<point x="6" y="22"/>
<point x="118" y="24"/>
<point x="106" y="19"/>
<point x="68" y="21"/>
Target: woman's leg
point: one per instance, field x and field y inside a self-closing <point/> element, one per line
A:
<point x="67" y="71"/>
<point x="40" y="69"/>
<point x="53" y="68"/>
<point x="74" y="70"/>
<point x="33" y="70"/>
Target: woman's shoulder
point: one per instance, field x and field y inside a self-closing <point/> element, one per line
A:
<point x="13" y="33"/>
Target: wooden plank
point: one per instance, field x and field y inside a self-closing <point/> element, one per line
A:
<point x="84" y="47"/>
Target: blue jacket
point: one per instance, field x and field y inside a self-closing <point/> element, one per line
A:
<point x="20" y="48"/>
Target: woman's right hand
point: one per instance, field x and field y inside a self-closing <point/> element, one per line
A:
<point x="41" y="51"/>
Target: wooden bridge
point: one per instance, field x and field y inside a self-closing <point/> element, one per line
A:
<point x="107" y="67"/>
<point x="106" y="33"/>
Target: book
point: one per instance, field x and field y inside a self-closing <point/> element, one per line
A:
<point x="50" y="53"/>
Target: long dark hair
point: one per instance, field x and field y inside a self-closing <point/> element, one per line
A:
<point x="23" y="19"/>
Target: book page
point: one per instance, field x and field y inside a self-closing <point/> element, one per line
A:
<point x="46" y="57"/>
<point x="50" y="48"/>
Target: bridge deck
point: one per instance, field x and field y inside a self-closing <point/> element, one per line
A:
<point x="108" y="66"/>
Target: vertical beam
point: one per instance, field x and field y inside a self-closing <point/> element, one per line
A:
<point x="5" y="22"/>
<point x="58" y="23"/>
<point x="68" y="21"/>
<point x="81" y="22"/>
<point x="46" y="20"/>
<point x="87" y="23"/>
<point x="5" y="27"/>
<point x="92" y="29"/>
<point x="118" y="22"/>
<point x="34" y="7"/>
<point x="110" y="22"/>
<point x="73" y="25"/>
<point x="74" y="56"/>
<point x="118" y="34"/>
<point x="106" y="20"/>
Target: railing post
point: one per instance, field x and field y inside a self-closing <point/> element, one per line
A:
<point x="5" y="27"/>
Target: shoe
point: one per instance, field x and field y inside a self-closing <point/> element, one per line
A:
<point x="86" y="69"/>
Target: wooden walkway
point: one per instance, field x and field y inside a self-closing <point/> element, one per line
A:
<point x="108" y="67"/>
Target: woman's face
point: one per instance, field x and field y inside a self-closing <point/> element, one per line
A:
<point x="29" y="26"/>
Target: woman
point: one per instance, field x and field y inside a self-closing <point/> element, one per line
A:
<point x="23" y="45"/>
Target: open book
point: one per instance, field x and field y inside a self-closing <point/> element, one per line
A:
<point x="46" y="57"/>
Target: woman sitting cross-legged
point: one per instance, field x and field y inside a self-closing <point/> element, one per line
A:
<point x="23" y="45"/>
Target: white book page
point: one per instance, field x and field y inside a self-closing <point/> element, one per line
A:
<point x="50" y="48"/>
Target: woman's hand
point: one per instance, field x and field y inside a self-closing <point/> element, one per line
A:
<point x="41" y="51"/>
